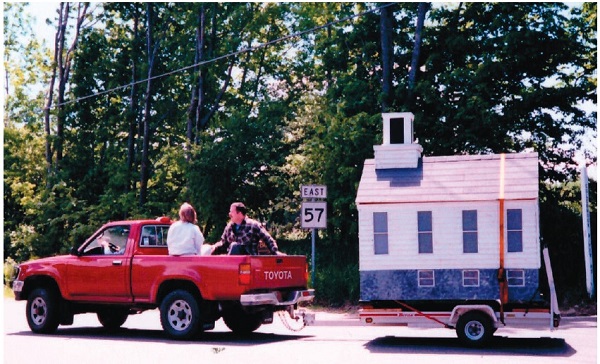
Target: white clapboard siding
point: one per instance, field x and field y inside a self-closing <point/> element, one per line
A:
<point x="397" y="155"/>
<point x="447" y="186"/>
<point x="447" y="237"/>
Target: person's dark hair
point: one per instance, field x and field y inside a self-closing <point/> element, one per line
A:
<point x="187" y="213"/>
<point x="240" y="207"/>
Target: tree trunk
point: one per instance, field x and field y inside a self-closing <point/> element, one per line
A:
<point x="64" y="70"/>
<point x="197" y="100"/>
<point x="63" y="19"/>
<point x="58" y="41"/>
<point x="261" y="62"/>
<point x="145" y="165"/>
<point x="132" y="108"/>
<point x="246" y="62"/>
<point x="203" y="122"/>
<point x="387" y="56"/>
<point x="212" y="111"/>
<point x="414" y="64"/>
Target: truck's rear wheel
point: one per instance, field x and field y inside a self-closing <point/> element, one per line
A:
<point x="474" y="329"/>
<point x="43" y="315"/>
<point x="180" y="315"/>
<point x="241" y="322"/>
<point x="113" y="318"/>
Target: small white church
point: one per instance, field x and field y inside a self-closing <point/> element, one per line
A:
<point x="448" y="228"/>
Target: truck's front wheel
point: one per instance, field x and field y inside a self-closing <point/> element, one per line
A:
<point x="180" y="315"/>
<point x="43" y="315"/>
<point x="474" y="329"/>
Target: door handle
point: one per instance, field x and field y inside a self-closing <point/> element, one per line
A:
<point x="117" y="262"/>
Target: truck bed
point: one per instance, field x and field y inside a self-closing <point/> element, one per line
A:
<point x="220" y="277"/>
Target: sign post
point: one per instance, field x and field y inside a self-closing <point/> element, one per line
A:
<point x="313" y="214"/>
<point x="587" y="234"/>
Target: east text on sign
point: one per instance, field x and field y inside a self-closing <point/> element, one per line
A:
<point x="313" y="191"/>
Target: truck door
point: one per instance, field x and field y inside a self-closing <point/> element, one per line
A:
<point x="101" y="271"/>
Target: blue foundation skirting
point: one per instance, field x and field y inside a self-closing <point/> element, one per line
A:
<point x="403" y="285"/>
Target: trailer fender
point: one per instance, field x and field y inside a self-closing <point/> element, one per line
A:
<point x="460" y="310"/>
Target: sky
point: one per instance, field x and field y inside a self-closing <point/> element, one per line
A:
<point x="41" y="11"/>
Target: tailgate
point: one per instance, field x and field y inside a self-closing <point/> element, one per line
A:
<point x="279" y="271"/>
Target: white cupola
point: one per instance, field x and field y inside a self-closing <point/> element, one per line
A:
<point x="398" y="149"/>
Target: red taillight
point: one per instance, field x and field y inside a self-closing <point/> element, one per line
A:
<point x="245" y="273"/>
<point x="306" y="275"/>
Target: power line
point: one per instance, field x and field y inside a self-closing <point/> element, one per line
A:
<point x="232" y="54"/>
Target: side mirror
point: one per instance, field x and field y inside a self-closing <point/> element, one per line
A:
<point x="74" y="251"/>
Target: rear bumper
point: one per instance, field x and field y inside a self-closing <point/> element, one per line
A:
<point x="276" y="299"/>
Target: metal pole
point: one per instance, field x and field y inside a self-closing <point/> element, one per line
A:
<point x="587" y="235"/>
<point x="314" y="236"/>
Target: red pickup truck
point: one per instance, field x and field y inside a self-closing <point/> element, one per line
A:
<point x="137" y="274"/>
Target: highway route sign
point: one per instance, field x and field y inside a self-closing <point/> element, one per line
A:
<point x="314" y="215"/>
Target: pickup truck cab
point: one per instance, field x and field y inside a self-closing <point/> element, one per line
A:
<point x="137" y="274"/>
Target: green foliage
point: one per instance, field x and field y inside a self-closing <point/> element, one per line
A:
<point x="510" y="83"/>
<point x="26" y="63"/>
<point x="23" y="186"/>
<point x="235" y="161"/>
<point x="562" y="232"/>
<point x="337" y="284"/>
<point x="9" y="271"/>
<point x="336" y="275"/>
<point x="336" y="149"/>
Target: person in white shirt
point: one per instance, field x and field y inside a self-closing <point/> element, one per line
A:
<point x="184" y="236"/>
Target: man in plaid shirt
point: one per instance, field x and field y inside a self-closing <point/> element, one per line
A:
<point x="243" y="234"/>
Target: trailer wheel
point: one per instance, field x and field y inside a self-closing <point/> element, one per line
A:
<point x="474" y="329"/>
<point x="180" y="315"/>
<point x="43" y="315"/>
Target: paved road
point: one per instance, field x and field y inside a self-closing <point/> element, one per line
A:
<point x="336" y="338"/>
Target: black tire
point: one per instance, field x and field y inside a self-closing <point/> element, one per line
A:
<point x="180" y="315"/>
<point x="474" y="329"/>
<point x="241" y="322"/>
<point x="42" y="311"/>
<point x="113" y="318"/>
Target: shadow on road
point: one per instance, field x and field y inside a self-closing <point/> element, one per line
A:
<point x="551" y="347"/>
<point x="208" y="337"/>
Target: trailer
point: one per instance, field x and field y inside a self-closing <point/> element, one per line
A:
<point x="451" y="241"/>
<point x="474" y="321"/>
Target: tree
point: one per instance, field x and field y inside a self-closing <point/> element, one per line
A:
<point x="561" y="231"/>
<point x="25" y="64"/>
<point x="387" y="55"/>
<point x="489" y="88"/>
<point x="133" y="97"/>
<point x="61" y="65"/>
<point x="152" y="46"/>
<point x="196" y="104"/>
<point x="422" y="11"/>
